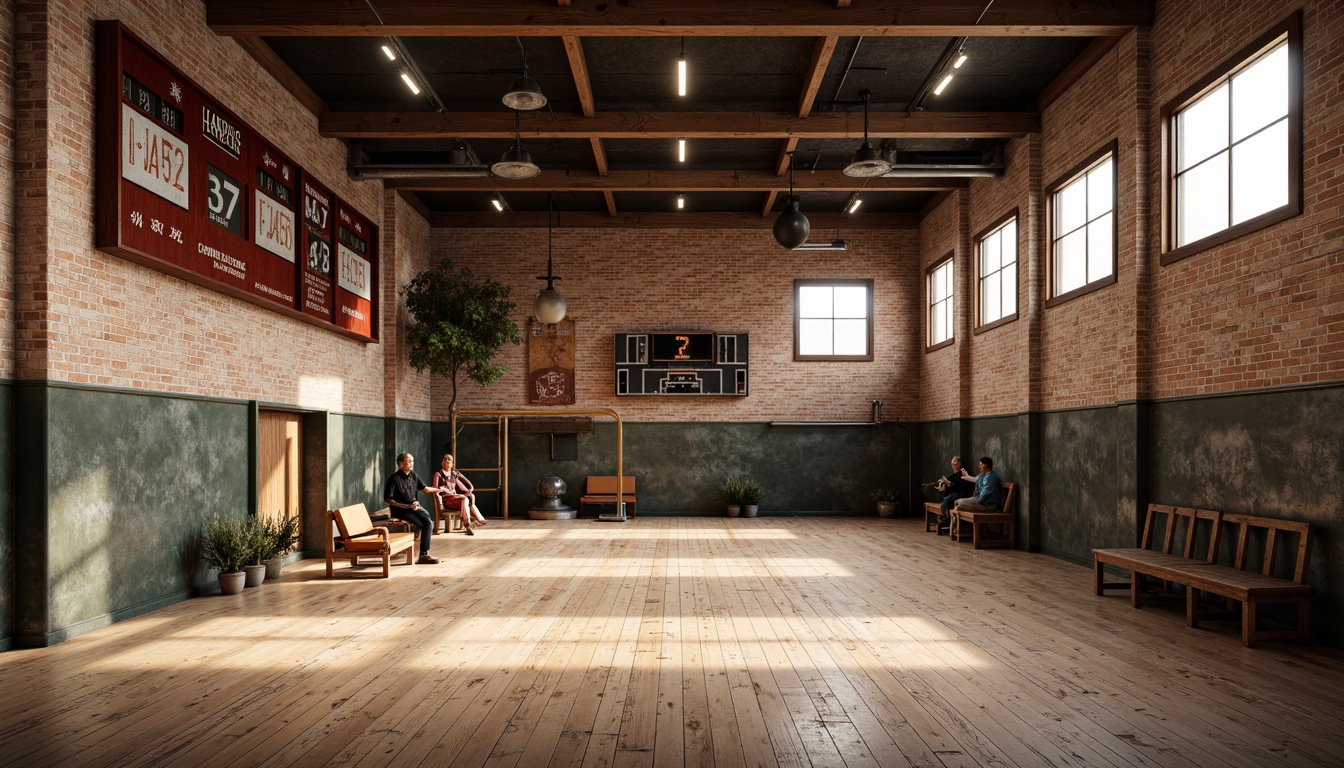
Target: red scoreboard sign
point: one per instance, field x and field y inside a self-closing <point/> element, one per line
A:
<point x="187" y="187"/>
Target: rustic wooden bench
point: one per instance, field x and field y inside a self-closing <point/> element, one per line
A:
<point x="1234" y="583"/>
<point x="980" y="538"/>
<point x="601" y="489"/>
<point x="352" y="535"/>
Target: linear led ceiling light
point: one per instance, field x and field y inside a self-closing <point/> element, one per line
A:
<point x="854" y="202"/>
<point x="410" y="83"/>
<point x="867" y="161"/>
<point x="388" y="52"/>
<point x="681" y="70"/>
<point x="681" y="202"/>
<point x="681" y="150"/>
<point x="499" y="206"/>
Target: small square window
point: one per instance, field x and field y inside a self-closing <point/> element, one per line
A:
<point x="833" y="319"/>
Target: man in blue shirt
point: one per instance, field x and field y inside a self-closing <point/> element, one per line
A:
<point x="987" y="487"/>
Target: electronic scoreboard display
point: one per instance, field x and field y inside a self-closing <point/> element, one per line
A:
<point x="187" y="187"/>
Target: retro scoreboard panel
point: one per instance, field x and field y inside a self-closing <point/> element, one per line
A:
<point x="681" y="363"/>
<point x="186" y="187"/>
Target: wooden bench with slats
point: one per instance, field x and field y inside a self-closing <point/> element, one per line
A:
<point x="351" y="535"/>
<point x="601" y="489"/>
<point x="1201" y="572"/>
<point x="1005" y="516"/>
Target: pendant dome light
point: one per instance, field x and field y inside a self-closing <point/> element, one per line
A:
<point x="792" y="227"/>
<point x="524" y="94"/>
<point x="516" y="163"/>
<point x="867" y="161"/>
<point x="550" y="306"/>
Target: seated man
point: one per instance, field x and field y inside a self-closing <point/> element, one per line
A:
<point x="987" y="489"/>
<point x="952" y="486"/>
<point x="399" y="494"/>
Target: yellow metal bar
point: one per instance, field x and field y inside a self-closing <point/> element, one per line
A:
<point x="503" y="415"/>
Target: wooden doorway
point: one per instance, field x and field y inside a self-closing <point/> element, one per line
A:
<point x="279" y="463"/>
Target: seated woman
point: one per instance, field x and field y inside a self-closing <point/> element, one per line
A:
<point x="457" y="493"/>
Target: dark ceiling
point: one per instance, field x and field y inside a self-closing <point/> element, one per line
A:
<point x="764" y="81"/>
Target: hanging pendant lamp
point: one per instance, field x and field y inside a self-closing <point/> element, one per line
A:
<point x="792" y="227"/>
<point x="867" y="161"/>
<point x="550" y="305"/>
<point x="524" y="94"/>
<point x="516" y="163"/>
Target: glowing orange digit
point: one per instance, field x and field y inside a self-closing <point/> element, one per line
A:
<point x="685" y="342"/>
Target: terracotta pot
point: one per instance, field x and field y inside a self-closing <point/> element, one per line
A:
<point x="231" y="583"/>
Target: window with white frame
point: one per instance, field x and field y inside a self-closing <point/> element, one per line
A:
<point x="833" y="319"/>
<point x="1235" y="156"/>
<point x="997" y="251"/>
<point x="940" y="303"/>
<point x="1082" y="228"/>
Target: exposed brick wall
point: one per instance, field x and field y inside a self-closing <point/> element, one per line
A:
<point x="723" y="280"/>
<point x="406" y="238"/>
<point x="95" y="318"/>
<point x="1266" y="309"/>
<point x="942" y="231"/>
<point x="7" y="149"/>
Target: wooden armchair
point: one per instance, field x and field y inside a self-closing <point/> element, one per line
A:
<point x="351" y="534"/>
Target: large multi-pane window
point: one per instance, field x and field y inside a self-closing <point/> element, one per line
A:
<point x="1235" y="154"/>
<point x="1082" y="228"/>
<point x="833" y="319"/>
<point x="996" y="249"/>
<point x="940" y="303"/>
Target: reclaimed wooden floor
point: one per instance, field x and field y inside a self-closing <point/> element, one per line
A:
<point x="670" y="642"/>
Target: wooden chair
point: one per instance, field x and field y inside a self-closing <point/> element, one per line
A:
<point x="351" y="534"/>
<point x="980" y="539"/>
<point x="451" y="518"/>
<point x="601" y="489"/>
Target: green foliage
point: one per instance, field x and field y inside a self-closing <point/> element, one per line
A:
<point x="278" y="536"/>
<point x="752" y="492"/>
<point x="458" y="323"/>
<point x="883" y="495"/>
<point x="731" y="491"/>
<point x="230" y="543"/>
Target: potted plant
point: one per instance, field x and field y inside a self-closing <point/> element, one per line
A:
<point x="731" y="491"/>
<point x="886" y="501"/>
<point x="752" y="493"/>
<point x="281" y="535"/>
<point x="260" y="542"/>
<point x="226" y="544"/>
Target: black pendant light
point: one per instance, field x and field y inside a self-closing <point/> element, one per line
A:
<point x="550" y="305"/>
<point x="867" y="161"/>
<point x="792" y="227"/>
<point x="516" y="163"/>
<point x="524" y="93"/>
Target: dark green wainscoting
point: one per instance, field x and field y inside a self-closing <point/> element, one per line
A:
<point x="7" y="590"/>
<point x="679" y="466"/>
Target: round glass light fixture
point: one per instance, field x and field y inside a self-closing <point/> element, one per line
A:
<point x="550" y="306"/>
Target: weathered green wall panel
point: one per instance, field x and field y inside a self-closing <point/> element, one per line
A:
<point x="355" y="465"/>
<point x="939" y="442"/>
<point x="7" y="588"/>
<point x="680" y="465"/>
<point x="1079" y="503"/>
<point x="131" y="481"/>
<point x="1004" y="440"/>
<point x="414" y="437"/>
<point x="1271" y="454"/>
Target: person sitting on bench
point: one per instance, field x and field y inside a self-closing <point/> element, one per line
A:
<point x="987" y="486"/>
<point x="952" y="486"/>
<point x="458" y="493"/>
<point x="399" y="494"/>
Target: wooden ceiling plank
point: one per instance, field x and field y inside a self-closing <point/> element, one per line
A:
<point x="785" y="154"/>
<point x="672" y="125"/>
<point x="667" y="220"/>
<point x="679" y="181"/>
<point x="579" y="68"/>
<point x="744" y="18"/>
<point x="600" y="156"/>
<point x="286" y="77"/>
<point x="769" y="206"/>
<point x="816" y="71"/>
<point x="610" y="199"/>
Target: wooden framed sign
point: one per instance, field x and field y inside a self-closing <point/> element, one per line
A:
<point x="187" y="187"/>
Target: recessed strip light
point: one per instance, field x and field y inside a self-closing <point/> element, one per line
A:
<point x="387" y="51"/>
<point x="498" y="205"/>
<point x="939" y="90"/>
<point x="961" y="59"/>
<point x="681" y="150"/>
<point x="406" y="78"/>
<point x="681" y="70"/>
<point x="681" y="202"/>
<point x="854" y="206"/>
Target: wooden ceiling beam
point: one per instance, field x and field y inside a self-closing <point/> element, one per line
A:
<point x="816" y="71"/>
<point x="744" y="18"/>
<point x="672" y="125"/>
<point x="678" y="181"/>
<point x="667" y="220"/>
<point x="579" y="68"/>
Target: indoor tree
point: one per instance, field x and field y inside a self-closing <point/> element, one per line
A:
<point x="458" y="323"/>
